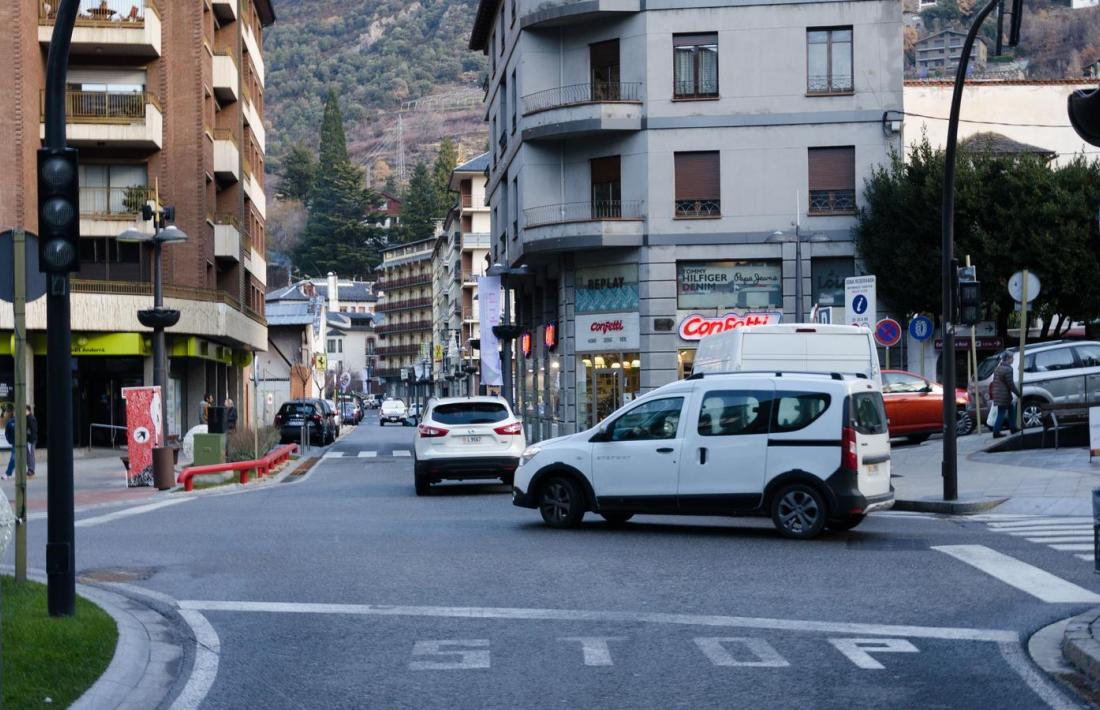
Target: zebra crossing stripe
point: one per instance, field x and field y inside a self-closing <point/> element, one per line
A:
<point x="368" y="454"/>
<point x="401" y="452"/>
<point x="1087" y="558"/>
<point x="1073" y="548"/>
<point x="334" y="455"/>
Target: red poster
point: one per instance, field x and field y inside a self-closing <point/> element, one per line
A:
<point x="144" y="431"/>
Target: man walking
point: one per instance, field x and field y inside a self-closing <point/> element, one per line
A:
<point x="9" y="434"/>
<point x="1001" y="389"/>
<point x="32" y="439"/>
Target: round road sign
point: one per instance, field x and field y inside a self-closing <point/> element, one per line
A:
<point x="887" y="332"/>
<point x="1016" y="286"/>
<point x="921" y="328"/>
<point x="859" y="304"/>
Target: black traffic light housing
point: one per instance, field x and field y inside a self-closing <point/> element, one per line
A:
<point x="969" y="299"/>
<point x="58" y="210"/>
<point x="1084" y="114"/>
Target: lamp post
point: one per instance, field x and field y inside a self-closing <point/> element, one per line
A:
<point x="506" y="331"/>
<point x="158" y="318"/>
<point x="780" y="237"/>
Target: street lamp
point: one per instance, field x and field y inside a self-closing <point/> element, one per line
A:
<point x="506" y="331"/>
<point x="780" y="237"/>
<point x="158" y="318"/>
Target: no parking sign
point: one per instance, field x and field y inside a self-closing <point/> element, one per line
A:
<point x="887" y="332"/>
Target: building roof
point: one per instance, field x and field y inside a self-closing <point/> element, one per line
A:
<point x="349" y="321"/>
<point x="350" y="291"/>
<point x="483" y="22"/>
<point x="476" y="164"/>
<point x="288" y="313"/>
<point x="997" y="144"/>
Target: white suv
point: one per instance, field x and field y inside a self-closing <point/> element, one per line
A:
<point x="810" y="450"/>
<point x="393" y="410"/>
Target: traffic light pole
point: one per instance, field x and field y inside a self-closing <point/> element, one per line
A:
<point x="60" y="532"/>
<point x="949" y="270"/>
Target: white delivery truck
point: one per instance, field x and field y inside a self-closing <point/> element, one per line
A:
<point x="799" y="347"/>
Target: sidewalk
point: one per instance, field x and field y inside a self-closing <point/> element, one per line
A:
<point x="1036" y="481"/>
<point x="98" y="478"/>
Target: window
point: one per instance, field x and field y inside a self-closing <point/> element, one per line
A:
<point x="868" y="413"/>
<point x="734" y="413"/>
<point x="515" y="207"/>
<point x="112" y="189"/>
<point x="469" y="413"/>
<point x="898" y="383"/>
<point x="698" y="184"/>
<point x="606" y="188"/>
<point x="658" y="419"/>
<point x="1051" y="361"/>
<point x="492" y="44"/>
<point x="603" y="60"/>
<point x="505" y="206"/>
<point x="513" y="12"/>
<point x="829" y="60"/>
<point x="695" y="66"/>
<point x="503" y="115"/>
<point x="797" y="410"/>
<point x="1089" y="355"/>
<point x="512" y="99"/>
<point x="832" y="180"/>
<point x="503" y="34"/>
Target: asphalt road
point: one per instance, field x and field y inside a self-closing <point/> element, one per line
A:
<point x="346" y="590"/>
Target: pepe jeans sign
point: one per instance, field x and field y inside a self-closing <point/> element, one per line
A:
<point x="729" y="284"/>
<point x="607" y="332"/>
<point x="697" y="326"/>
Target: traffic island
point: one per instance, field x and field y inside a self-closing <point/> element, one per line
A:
<point x="50" y="661"/>
<point x="963" y="506"/>
<point x="1081" y="644"/>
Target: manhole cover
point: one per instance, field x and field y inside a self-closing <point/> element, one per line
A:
<point x="118" y="574"/>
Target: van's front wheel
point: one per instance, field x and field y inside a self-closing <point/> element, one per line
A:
<point x="799" y="511"/>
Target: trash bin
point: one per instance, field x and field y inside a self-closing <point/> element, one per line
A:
<point x="164" y="469"/>
<point x="215" y="420"/>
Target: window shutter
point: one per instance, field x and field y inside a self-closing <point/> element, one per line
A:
<point x="832" y="168"/>
<point x="605" y="170"/>
<point x="698" y="176"/>
<point x="694" y="40"/>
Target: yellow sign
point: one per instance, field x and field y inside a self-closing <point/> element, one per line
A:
<point x="438" y="352"/>
<point x="320" y="362"/>
<point x="202" y="349"/>
<point x="95" y="344"/>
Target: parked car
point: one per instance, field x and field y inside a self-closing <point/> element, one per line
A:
<point x="296" y="413"/>
<point x="392" y="410"/>
<point x="467" y="438"/>
<point x="330" y="405"/>
<point x="350" y="411"/>
<point x="810" y="450"/>
<point x="1055" y="372"/>
<point x="914" y="406"/>
<point x="371" y="401"/>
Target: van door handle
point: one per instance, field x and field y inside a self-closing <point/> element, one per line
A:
<point x="665" y="450"/>
<point x="702" y="455"/>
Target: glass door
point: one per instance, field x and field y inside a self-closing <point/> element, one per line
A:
<point x="607" y="392"/>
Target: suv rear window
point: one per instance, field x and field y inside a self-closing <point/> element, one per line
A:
<point x="296" y="409"/>
<point x="470" y="413"/>
<point x="868" y="413"/>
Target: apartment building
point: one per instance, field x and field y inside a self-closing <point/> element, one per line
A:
<point x="653" y="164"/>
<point x="164" y="101"/>
<point x="404" y="314"/>
<point x="939" y="54"/>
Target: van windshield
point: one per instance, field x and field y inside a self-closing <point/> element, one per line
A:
<point x="868" y="413"/>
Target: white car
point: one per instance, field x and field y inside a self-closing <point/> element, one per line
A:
<point x="467" y="438"/>
<point x="393" y="410"/>
<point x="810" y="450"/>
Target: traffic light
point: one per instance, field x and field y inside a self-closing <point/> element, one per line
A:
<point x="58" y="210"/>
<point x="1084" y="114"/>
<point x="970" y="302"/>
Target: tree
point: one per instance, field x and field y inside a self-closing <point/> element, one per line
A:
<point x="286" y="220"/>
<point x="445" y="162"/>
<point x="418" y="206"/>
<point x="298" y="170"/>
<point x="334" y="144"/>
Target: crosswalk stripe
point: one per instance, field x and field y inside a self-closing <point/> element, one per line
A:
<point x="1057" y="522"/>
<point x="367" y="454"/>
<point x="1066" y="538"/>
<point x="1051" y="533"/>
<point x="1086" y="558"/>
<point x="1073" y="548"/>
<point x="1027" y="578"/>
<point x="401" y="452"/>
<point x="334" y="455"/>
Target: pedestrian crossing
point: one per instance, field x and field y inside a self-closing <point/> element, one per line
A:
<point x="1065" y="534"/>
<point x="368" y="454"/>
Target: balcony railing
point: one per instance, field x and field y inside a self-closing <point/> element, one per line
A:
<point x="105" y="106"/>
<point x="698" y="208"/>
<point x="578" y="94"/>
<point x="407" y="327"/>
<point x="829" y="84"/>
<point x="390" y="306"/>
<point x="467" y="200"/>
<point x="585" y="212"/>
<point x="145" y="288"/>
<point x="397" y="350"/>
<point x="405" y="281"/>
<point x="106" y="201"/>
<point x="832" y="201"/>
<point x="469" y="277"/>
<point x="100" y="13"/>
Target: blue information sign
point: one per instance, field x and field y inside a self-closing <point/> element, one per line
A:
<point x="921" y="328"/>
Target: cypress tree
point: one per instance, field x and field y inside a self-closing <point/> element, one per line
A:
<point x="418" y="206"/>
<point x="445" y="163"/>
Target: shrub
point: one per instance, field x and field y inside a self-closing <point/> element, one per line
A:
<point x="239" y="443"/>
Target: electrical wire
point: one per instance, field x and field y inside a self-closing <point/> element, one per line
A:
<point x="986" y="123"/>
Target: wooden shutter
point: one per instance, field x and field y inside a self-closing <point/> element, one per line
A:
<point x="605" y="170"/>
<point x="833" y="168"/>
<point x="698" y="176"/>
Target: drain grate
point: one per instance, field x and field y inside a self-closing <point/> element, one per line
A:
<point x="118" y="574"/>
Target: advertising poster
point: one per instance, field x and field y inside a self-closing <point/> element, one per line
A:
<point x="143" y="432"/>
<point x="608" y="332"/>
<point x="729" y="284"/>
<point x="607" y="288"/>
<point x="488" y="290"/>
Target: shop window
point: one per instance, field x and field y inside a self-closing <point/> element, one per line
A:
<point x="729" y="284"/>
<point x="828" y="276"/>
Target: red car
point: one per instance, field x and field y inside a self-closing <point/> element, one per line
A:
<point x="914" y="406"/>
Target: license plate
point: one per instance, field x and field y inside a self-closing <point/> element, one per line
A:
<point x="473" y="439"/>
<point x="872" y="468"/>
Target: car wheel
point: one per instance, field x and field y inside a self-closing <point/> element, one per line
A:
<point x="381" y="422"/>
<point x="917" y="438"/>
<point x="845" y="523"/>
<point x="964" y="424"/>
<point x="799" y="511"/>
<point x="1033" y="412"/>
<point x="560" y="502"/>
<point x="423" y="486"/>
<point x="616" y="518"/>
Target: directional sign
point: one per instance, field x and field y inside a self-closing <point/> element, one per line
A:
<point x="888" y="332"/>
<point x="1016" y="286"/>
<point x="921" y="328"/>
<point x="859" y="300"/>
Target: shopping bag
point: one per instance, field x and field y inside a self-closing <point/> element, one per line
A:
<point x="992" y="418"/>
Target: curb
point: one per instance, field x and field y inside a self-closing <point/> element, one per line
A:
<point x="1080" y="645"/>
<point x="948" y="507"/>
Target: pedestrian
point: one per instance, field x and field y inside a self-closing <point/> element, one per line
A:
<point x="32" y="439"/>
<point x="9" y="434"/>
<point x="1001" y="390"/>
<point x="207" y="400"/>
<point x="230" y="415"/>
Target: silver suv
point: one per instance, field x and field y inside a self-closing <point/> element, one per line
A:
<point x="1055" y="372"/>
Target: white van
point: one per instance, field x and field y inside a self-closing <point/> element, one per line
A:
<point x="799" y="347"/>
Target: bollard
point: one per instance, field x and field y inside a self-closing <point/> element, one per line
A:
<point x="1096" y="530"/>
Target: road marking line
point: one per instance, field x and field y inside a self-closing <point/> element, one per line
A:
<point x="1067" y="538"/>
<point x="138" y="510"/>
<point x="458" y="659"/>
<point x="368" y="454"/>
<point x="1027" y="578"/>
<point x="932" y="632"/>
<point x="205" y="668"/>
<point x="1036" y="522"/>
<point x="595" y="649"/>
<point x="1073" y="548"/>
<point x="1086" y="558"/>
<point x="333" y="455"/>
<point x="401" y="452"/>
<point x="1047" y="532"/>
<point x="858" y="650"/>
<point x="765" y="655"/>
<point x="1040" y="684"/>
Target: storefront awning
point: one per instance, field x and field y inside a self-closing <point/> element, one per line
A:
<point x="202" y="349"/>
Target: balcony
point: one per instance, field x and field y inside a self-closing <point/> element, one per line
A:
<point x="109" y="211"/>
<point x="227" y="237"/>
<point x="407" y="327"/>
<point x="405" y="305"/>
<point x="582" y="109"/>
<point x="227" y="77"/>
<point x="398" y="350"/>
<point x="108" y="28"/>
<point x="252" y="118"/>
<point x="403" y="282"/>
<point x="114" y="119"/>
<point x="225" y="10"/>
<point x="827" y="202"/>
<point x="557" y="13"/>
<point x="584" y="225"/>
<point x="467" y="200"/>
<point x="227" y="157"/>
<point x="252" y="187"/>
<point x="253" y="48"/>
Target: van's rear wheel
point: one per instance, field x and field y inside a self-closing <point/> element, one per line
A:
<point x="799" y="511"/>
<point x="845" y="523"/>
<point x="560" y="502"/>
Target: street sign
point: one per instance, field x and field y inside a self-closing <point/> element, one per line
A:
<point x="887" y="332"/>
<point x="36" y="280"/>
<point x="1016" y="286"/>
<point x="859" y="300"/>
<point x="921" y="328"/>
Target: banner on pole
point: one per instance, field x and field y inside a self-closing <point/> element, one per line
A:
<point x="488" y="295"/>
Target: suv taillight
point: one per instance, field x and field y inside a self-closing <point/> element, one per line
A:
<point x="278" y="419"/>
<point x="431" y="432"/>
<point x="849" y="456"/>
<point x="512" y="429"/>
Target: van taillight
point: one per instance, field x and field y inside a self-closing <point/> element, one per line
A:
<point x="510" y="429"/>
<point x="849" y="457"/>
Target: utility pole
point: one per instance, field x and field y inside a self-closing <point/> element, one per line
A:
<point x="19" y="450"/>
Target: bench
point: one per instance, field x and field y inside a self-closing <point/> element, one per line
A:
<point x="1054" y="416"/>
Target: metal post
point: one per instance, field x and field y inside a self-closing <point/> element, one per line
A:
<point x="948" y="272"/>
<point x="19" y="451"/>
<point x="60" y="530"/>
<point x="797" y="275"/>
<point x="1020" y="364"/>
<point x="506" y="351"/>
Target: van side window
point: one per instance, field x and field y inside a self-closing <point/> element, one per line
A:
<point x="734" y="413"/>
<point x="792" y="411"/>
<point x="658" y="419"/>
<point x="868" y="414"/>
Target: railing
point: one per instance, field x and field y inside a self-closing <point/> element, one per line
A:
<point x="418" y="280"/>
<point x="104" y="106"/>
<point x="467" y="200"/>
<point x="469" y="278"/>
<point x="254" y="314"/>
<point x="828" y="83"/>
<point x="387" y="372"/>
<point x="503" y="142"/>
<point x="585" y="212"/>
<point x="691" y="89"/>
<point x="397" y="350"/>
<point x="246" y="164"/>
<point x="403" y="305"/>
<point x="100" y="13"/>
<point x="113" y="200"/>
<point x="144" y="288"/>
<point x="698" y="208"/>
<point x="262" y="466"/>
<point x="467" y="313"/>
<point x="578" y="94"/>
<point x="832" y="201"/>
<point x="228" y="218"/>
<point x="408" y="327"/>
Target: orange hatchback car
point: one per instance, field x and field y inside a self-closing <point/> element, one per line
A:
<point x="914" y="406"/>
